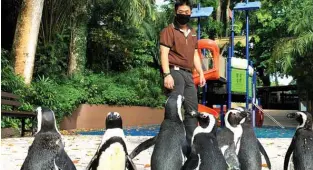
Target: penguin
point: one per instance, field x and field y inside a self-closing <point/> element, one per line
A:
<point x="229" y="138"/>
<point x="170" y="147"/>
<point x="112" y="152"/>
<point x="205" y="153"/>
<point x="302" y="143"/>
<point x="250" y="147"/>
<point x="47" y="150"/>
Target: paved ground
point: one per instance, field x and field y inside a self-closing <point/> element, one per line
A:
<point x="81" y="149"/>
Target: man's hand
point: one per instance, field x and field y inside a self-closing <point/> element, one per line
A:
<point x="169" y="82"/>
<point x="197" y="64"/>
<point x="202" y="80"/>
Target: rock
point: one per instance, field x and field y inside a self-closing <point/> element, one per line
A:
<point x="9" y="132"/>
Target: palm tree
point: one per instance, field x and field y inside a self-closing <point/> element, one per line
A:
<point x="25" y="38"/>
<point x="289" y="49"/>
<point x="79" y="31"/>
<point x="136" y="10"/>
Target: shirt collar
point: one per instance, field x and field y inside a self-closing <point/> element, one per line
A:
<point x="176" y="26"/>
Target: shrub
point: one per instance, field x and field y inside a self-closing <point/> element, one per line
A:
<point x="139" y="86"/>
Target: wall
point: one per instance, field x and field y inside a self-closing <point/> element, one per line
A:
<point x="93" y="116"/>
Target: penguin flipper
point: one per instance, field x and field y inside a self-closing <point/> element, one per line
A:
<point x="192" y="160"/>
<point x="130" y="165"/>
<point x="288" y="153"/>
<point x="93" y="162"/>
<point x="186" y="149"/>
<point x="62" y="160"/>
<point x="262" y="150"/>
<point x="143" y="146"/>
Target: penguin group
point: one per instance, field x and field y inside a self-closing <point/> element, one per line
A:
<point x="234" y="147"/>
<point x="47" y="150"/>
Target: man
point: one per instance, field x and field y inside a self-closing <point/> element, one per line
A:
<point x="179" y="55"/>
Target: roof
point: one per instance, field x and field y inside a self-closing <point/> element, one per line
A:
<point x="224" y="40"/>
<point x="248" y="6"/>
<point x="203" y="12"/>
<point x="277" y="88"/>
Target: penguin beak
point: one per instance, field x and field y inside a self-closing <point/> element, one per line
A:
<point x="244" y="114"/>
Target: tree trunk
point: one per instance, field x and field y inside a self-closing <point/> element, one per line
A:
<point x="78" y="47"/>
<point x="218" y="11"/>
<point x="25" y="38"/>
<point x="227" y="17"/>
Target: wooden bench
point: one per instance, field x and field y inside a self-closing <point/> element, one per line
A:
<point x="10" y="99"/>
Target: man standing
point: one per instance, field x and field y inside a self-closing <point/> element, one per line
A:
<point x="179" y="55"/>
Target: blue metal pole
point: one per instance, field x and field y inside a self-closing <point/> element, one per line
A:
<point x="228" y="76"/>
<point x="247" y="57"/>
<point x="230" y="55"/>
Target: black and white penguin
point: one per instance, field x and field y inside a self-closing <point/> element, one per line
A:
<point x="112" y="152"/>
<point x="302" y="143"/>
<point x="229" y="138"/>
<point x="250" y="147"/>
<point x="205" y="153"/>
<point x="47" y="150"/>
<point x="170" y="145"/>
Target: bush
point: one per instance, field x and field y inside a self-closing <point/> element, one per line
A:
<point x="140" y="87"/>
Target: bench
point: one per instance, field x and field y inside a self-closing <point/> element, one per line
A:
<point x="10" y="99"/>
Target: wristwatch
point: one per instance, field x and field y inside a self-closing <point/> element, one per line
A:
<point x="166" y="74"/>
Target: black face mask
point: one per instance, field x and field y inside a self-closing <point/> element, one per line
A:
<point x="182" y="19"/>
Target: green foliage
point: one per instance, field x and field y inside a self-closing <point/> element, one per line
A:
<point x="52" y="57"/>
<point x="115" y="40"/>
<point x="140" y="86"/>
<point x="9" y="81"/>
<point x="7" y="122"/>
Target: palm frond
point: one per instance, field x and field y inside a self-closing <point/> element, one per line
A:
<point x="304" y="43"/>
<point x="136" y="10"/>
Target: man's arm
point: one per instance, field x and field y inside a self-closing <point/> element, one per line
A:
<point x="164" y="58"/>
<point x="168" y="79"/>
<point x="197" y="63"/>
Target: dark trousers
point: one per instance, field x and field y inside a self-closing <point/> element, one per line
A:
<point x="184" y="85"/>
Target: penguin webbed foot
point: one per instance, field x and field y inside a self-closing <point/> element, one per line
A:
<point x="233" y="168"/>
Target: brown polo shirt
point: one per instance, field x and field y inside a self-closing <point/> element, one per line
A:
<point x="182" y="45"/>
